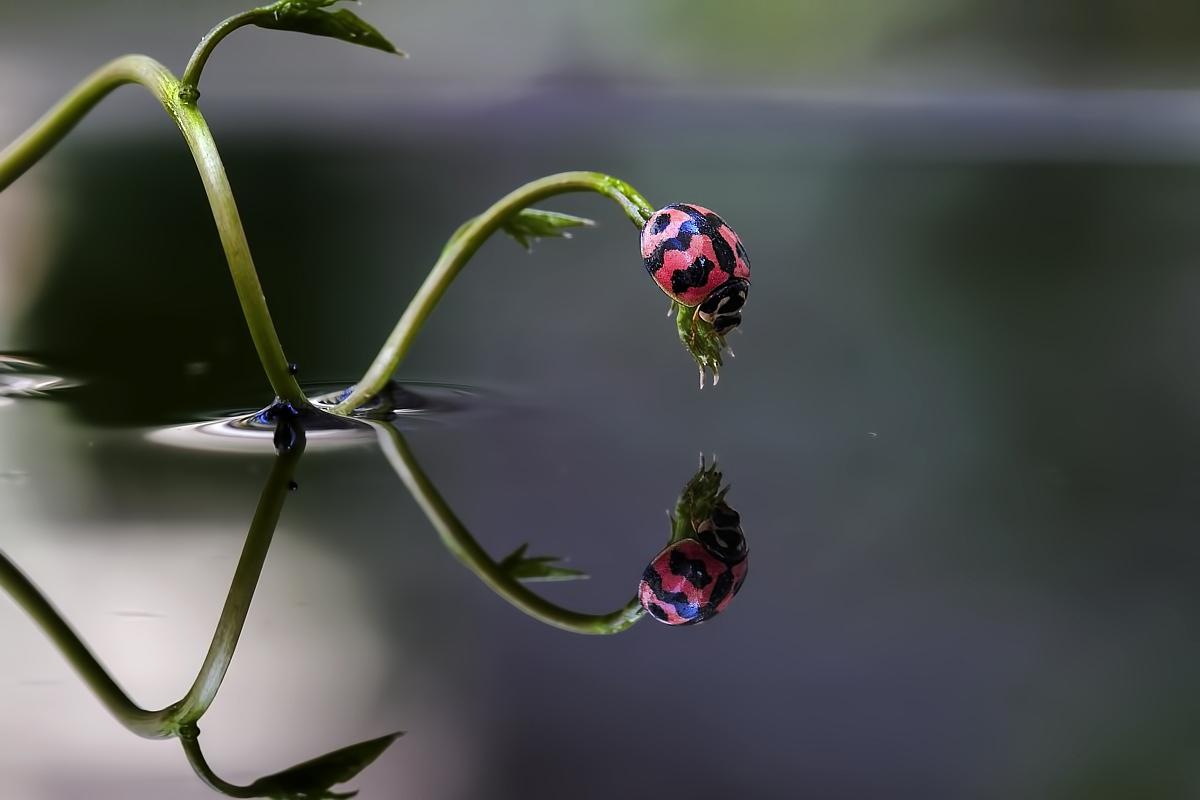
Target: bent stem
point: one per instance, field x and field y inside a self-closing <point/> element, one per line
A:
<point x="171" y="720"/>
<point x="458" y="251"/>
<point x="241" y="590"/>
<point x="158" y="80"/>
<point x="459" y="541"/>
<point x="191" y="748"/>
<point x="310" y="780"/>
<point x="191" y="73"/>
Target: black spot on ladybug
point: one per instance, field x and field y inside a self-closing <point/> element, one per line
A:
<point x="724" y="253"/>
<point x="722" y="588"/>
<point x="741" y="251"/>
<point x="709" y="226"/>
<point x="738" y="586"/>
<point x="677" y="600"/>
<point x="695" y="275"/>
<point x="661" y="223"/>
<point x="680" y="241"/>
<point x="693" y="570"/>
<point x="657" y="612"/>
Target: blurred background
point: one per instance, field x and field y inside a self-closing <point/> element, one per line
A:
<point x="961" y="425"/>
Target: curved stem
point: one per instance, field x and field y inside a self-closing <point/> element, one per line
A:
<point x="462" y="544"/>
<point x="241" y="590"/>
<point x="463" y="244"/>
<point x="170" y="720"/>
<point x="107" y="691"/>
<point x="158" y="80"/>
<point x="191" y="748"/>
<point x="195" y="65"/>
<point x="59" y="120"/>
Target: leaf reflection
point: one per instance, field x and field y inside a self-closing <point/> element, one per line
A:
<point x="311" y="780"/>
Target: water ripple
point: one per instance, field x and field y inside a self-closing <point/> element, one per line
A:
<point x="242" y="432"/>
<point x="21" y="377"/>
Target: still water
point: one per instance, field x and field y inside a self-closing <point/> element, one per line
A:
<point x="960" y="430"/>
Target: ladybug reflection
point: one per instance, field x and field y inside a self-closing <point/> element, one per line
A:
<point x="699" y="262"/>
<point x="696" y="575"/>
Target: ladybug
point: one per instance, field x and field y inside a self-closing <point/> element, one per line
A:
<point x="694" y="578"/>
<point x="699" y="262"/>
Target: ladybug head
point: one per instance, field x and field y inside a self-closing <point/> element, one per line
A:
<point x="721" y="534"/>
<point x="723" y="308"/>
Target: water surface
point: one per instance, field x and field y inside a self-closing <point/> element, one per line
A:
<point x="960" y="431"/>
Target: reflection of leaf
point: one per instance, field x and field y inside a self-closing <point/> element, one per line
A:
<point x="537" y="568"/>
<point x="530" y="224"/>
<point x="313" y="780"/>
<point x="309" y="16"/>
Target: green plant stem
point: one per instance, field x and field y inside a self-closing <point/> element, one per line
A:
<point x="195" y="65"/>
<point x="464" y="244"/>
<point x="466" y="549"/>
<point x="191" y="748"/>
<point x="77" y="654"/>
<point x="241" y="590"/>
<point x="170" y="720"/>
<point x="158" y="80"/>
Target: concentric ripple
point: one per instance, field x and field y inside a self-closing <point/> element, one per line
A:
<point x="255" y="431"/>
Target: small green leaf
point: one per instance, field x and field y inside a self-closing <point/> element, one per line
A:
<point x="309" y="16"/>
<point x="537" y="568"/>
<point x="314" y="780"/>
<point x="701" y="340"/>
<point x="530" y="224"/>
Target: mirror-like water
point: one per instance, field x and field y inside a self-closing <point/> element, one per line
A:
<point x="959" y="431"/>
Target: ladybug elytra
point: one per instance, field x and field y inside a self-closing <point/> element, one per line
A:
<point x="694" y="578"/>
<point x="698" y="260"/>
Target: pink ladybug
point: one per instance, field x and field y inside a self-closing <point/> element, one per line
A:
<point x="694" y="579"/>
<point x="699" y="262"/>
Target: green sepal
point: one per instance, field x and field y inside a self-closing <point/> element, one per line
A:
<point x="314" y="779"/>
<point x="706" y="346"/>
<point x="531" y="224"/>
<point x="697" y="501"/>
<point x="537" y="568"/>
<point x="309" y="16"/>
